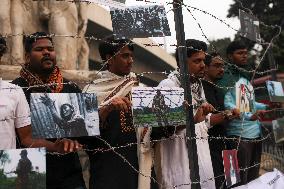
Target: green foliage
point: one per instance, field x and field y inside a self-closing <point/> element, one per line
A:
<point x="220" y="45"/>
<point x="4" y="158"/>
<point x="36" y="180"/>
<point x="143" y="117"/>
<point x="269" y="12"/>
<point x="7" y="183"/>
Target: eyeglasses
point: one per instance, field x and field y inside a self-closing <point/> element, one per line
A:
<point x="218" y="66"/>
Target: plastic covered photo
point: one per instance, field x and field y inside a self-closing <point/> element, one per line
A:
<point x="275" y="91"/>
<point x="158" y="107"/>
<point x="59" y="115"/>
<point x="231" y="167"/>
<point x="278" y="130"/>
<point x="140" y="22"/>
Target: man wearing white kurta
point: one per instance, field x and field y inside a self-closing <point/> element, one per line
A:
<point x="171" y="157"/>
<point x="14" y="114"/>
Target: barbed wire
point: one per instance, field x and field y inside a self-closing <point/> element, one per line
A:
<point x="148" y="176"/>
<point x="203" y="33"/>
<point x="113" y="149"/>
<point x="214" y="49"/>
<point x="266" y="50"/>
<point x="240" y="169"/>
<point x="251" y="12"/>
<point x="131" y="144"/>
<point x="91" y="82"/>
<point x="160" y="44"/>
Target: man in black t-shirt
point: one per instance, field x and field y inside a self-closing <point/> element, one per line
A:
<point x="41" y="75"/>
<point x="214" y="70"/>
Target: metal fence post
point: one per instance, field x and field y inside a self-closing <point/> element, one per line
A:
<point x="190" y="130"/>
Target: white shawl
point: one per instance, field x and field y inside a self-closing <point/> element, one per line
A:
<point x="171" y="156"/>
<point x="109" y="86"/>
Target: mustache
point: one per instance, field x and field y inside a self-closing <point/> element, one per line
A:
<point x="46" y="58"/>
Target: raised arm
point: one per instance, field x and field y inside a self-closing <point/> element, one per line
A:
<point x="50" y="104"/>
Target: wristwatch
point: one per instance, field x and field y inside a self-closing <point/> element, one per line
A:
<point x="227" y="114"/>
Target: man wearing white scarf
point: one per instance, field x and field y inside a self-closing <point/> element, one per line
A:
<point x="171" y="157"/>
<point x="113" y="89"/>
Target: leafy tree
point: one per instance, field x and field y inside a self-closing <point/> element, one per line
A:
<point x="220" y="46"/>
<point x="269" y="12"/>
<point x="4" y="158"/>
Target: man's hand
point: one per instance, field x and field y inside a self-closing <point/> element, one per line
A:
<point x="234" y="114"/>
<point x="46" y="100"/>
<point x="207" y="108"/>
<point x="259" y="114"/>
<point x="202" y="112"/>
<point x="66" y="146"/>
<point x="273" y="105"/>
<point x="120" y="103"/>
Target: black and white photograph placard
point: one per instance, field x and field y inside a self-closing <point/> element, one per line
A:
<point x="140" y="22"/>
<point x="278" y="130"/>
<point x="275" y="91"/>
<point x="249" y="26"/>
<point x="58" y="115"/>
<point x="158" y="107"/>
<point x="110" y="3"/>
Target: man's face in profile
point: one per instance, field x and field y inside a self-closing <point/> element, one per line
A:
<point x="196" y="64"/>
<point x="122" y="62"/>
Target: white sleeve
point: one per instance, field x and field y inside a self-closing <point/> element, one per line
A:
<point x="207" y="121"/>
<point x="167" y="83"/>
<point x="22" y="113"/>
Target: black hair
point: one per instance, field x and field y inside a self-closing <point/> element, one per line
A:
<point x="31" y="39"/>
<point x="111" y="46"/>
<point x="24" y="152"/>
<point x="235" y="45"/>
<point x="3" y="45"/>
<point x="209" y="57"/>
<point x="61" y="111"/>
<point x="192" y="46"/>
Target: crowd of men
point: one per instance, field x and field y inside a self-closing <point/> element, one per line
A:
<point x="134" y="166"/>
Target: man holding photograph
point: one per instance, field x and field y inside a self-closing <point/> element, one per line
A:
<point x="41" y="75"/>
<point x="214" y="71"/>
<point x="173" y="165"/>
<point x="15" y="120"/>
<point x="247" y="127"/>
<point x="113" y="90"/>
